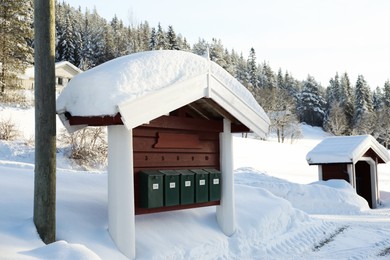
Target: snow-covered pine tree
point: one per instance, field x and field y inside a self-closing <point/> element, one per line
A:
<point x="347" y="100"/>
<point x="363" y="117"/>
<point x="120" y="44"/>
<point x="241" y="70"/>
<point x="267" y="76"/>
<point x="311" y="109"/>
<point x="16" y="19"/>
<point x="66" y="41"/>
<point x="217" y="52"/>
<point x="253" y="73"/>
<point x="377" y="99"/>
<point x="172" y="43"/>
<point x="160" y="38"/>
<point x="386" y="94"/>
<point x="144" y="34"/>
<point x="153" y="39"/>
<point x="200" y="48"/>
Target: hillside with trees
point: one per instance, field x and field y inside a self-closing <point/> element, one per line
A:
<point x="86" y="39"/>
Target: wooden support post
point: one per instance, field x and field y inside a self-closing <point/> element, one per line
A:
<point x="45" y="121"/>
<point x="121" y="214"/>
<point x="226" y="210"/>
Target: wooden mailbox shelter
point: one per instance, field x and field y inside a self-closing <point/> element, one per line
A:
<point x="353" y="159"/>
<point x="165" y="110"/>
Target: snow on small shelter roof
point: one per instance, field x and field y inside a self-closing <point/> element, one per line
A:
<point x="346" y="149"/>
<point x="143" y="86"/>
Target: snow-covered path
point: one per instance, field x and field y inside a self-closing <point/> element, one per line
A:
<point x="361" y="237"/>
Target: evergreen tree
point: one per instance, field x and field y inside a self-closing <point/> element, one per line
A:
<point x="312" y="104"/>
<point x="15" y="35"/>
<point x="183" y="44"/>
<point x="363" y="100"/>
<point x="241" y="70"/>
<point x="280" y="80"/>
<point x="172" y="43"/>
<point x="267" y="77"/>
<point x="160" y="38"/>
<point x="153" y="40"/>
<point x="120" y="44"/>
<point x="217" y="53"/>
<point x="363" y="116"/>
<point x="253" y="75"/>
<point x="200" y="48"/>
<point x="333" y="91"/>
<point x="66" y="41"/>
<point x="377" y="99"/>
<point x="386" y="94"/>
<point x="347" y="101"/>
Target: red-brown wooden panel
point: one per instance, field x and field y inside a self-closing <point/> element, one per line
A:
<point x="153" y="160"/>
<point x="145" y="144"/>
<point x="177" y="140"/>
<point x="139" y="211"/>
<point x="335" y="171"/>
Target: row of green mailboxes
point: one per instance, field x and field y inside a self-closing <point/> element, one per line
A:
<point x="159" y="188"/>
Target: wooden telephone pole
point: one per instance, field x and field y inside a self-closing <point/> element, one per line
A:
<point x="45" y="121"/>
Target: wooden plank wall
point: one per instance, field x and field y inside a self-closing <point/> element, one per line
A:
<point x="161" y="146"/>
<point x="335" y="171"/>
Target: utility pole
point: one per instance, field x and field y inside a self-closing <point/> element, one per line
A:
<point x="45" y="121"/>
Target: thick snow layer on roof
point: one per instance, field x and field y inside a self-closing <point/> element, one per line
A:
<point x="345" y="149"/>
<point x="100" y="90"/>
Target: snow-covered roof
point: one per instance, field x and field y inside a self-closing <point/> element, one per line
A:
<point x="29" y="72"/>
<point x="143" y="86"/>
<point x="345" y="149"/>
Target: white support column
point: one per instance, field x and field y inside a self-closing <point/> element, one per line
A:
<point x="351" y="174"/>
<point x="121" y="214"/>
<point x="320" y="177"/>
<point x="226" y="211"/>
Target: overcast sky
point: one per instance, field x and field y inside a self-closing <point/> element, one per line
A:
<point x="316" y="37"/>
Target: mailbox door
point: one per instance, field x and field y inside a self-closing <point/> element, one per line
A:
<point x="214" y="184"/>
<point x="201" y="186"/>
<point x="171" y="187"/>
<point x="187" y="187"/>
<point x="150" y="189"/>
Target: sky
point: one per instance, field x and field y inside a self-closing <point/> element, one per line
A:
<point x="302" y="37"/>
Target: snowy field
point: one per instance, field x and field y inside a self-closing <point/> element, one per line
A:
<point x="282" y="211"/>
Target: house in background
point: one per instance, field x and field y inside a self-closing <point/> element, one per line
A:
<point x="353" y="159"/>
<point x="64" y="72"/>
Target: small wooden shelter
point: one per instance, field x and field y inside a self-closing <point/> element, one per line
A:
<point x="165" y="110"/>
<point x="353" y="159"/>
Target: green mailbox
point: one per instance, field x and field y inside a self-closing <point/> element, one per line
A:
<point x="150" y="189"/>
<point x="187" y="187"/>
<point x="214" y="184"/>
<point x="171" y="187"/>
<point x="201" y="185"/>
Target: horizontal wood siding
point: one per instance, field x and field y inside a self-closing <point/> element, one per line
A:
<point x="202" y="153"/>
<point x="335" y="171"/>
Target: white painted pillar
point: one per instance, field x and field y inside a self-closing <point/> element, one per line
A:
<point x="351" y="174"/>
<point x="121" y="214"/>
<point x="226" y="210"/>
<point x="320" y="176"/>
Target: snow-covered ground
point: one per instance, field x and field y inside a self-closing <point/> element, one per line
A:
<point x="282" y="211"/>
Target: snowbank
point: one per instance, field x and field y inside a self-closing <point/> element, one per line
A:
<point x="322" y="197"/>
<point x="264" y="224"/>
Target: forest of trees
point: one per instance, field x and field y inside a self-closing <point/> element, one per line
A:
<point x="86" y="39"/>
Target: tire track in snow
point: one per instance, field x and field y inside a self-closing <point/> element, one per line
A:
<point x="368" y="237"/>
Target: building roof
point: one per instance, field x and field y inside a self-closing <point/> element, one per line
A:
<point x="144" y="86"/>
<point x="346" y="149"/>
<point x="29" y="72"/>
